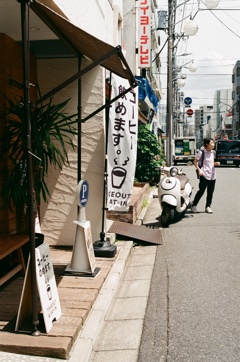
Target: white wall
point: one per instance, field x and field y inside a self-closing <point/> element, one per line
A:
<point x="95" y="17"/>
<point x="57" y="216"/>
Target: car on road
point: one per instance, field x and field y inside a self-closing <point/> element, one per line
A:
<point x="228" y="152"/>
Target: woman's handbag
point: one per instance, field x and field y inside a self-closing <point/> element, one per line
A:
<point x="200" y="164"/>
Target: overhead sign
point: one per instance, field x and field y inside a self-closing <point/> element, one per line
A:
<point x="144" y="34"/>
<point x="189" y="112"/>
<point x="187" y="101"/>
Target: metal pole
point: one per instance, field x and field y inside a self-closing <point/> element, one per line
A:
<point x="169" y="125"/>
<point x="238" y="135"/>
<point x="25" y="57"/>
<point x="79" y="123"/>
<point x="233" y="128"/>
<point x="102" y="247"/>
<point x="107" y="114"/>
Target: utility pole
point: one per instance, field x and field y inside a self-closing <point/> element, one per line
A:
<point x="169" y="125"/>
<point x="238" y="107"/>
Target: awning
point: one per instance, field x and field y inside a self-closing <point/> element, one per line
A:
<point x="145" y="90"/>
<point x="82" y="42"/>
<point x="142" y="118"/>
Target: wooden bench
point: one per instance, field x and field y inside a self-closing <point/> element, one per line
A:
<point x="9" y="244"/>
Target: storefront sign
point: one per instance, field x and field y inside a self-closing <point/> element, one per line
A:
<point x="47" y="286"/>
<point x="144" y="31"/>
<point x="47" y="290"/>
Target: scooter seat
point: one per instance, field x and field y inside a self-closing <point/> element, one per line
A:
<point x="183" y="180"/>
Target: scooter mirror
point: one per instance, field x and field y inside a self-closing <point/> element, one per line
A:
<point x="174" y="171"/>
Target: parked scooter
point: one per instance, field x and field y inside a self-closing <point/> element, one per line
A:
<point x="174" y="193"/>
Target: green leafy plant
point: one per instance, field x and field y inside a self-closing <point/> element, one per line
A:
<point x="52" y="130"/>
<point x="149" y="157"/>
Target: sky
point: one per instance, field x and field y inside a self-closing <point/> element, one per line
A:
<point x="215" y="48"/>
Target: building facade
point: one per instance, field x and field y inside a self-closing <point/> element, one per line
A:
<point x="236" y="100"/>
<point x="117" y="23"/>
<point x="221" y="125"/>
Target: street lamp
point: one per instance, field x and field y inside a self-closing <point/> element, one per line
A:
<point x="183" y="55"/>
<point x="192" y="67"/>
<point x="180" y="82"/>
<point x="190" y="29"/>
<point x="212" y="4"/>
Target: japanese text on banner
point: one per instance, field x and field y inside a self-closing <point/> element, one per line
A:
<point x="122" y="145"/>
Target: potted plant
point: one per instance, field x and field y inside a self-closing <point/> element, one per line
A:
<point x="52" y="131"/>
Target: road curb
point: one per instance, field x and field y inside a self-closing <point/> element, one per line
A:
<point x="143" y="212"/>
<point x="83" y="346"/>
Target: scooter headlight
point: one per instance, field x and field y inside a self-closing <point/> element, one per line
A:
<point x="174" y="171"/>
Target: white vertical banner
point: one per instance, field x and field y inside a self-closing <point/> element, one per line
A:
<point x="122" y="145"/>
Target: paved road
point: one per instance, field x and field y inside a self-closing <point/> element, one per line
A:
<point x="193" y="312"/>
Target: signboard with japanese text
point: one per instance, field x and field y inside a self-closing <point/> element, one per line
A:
<point x="47" y="287"/>
<point x="47" y="290"/>
<point x="144" y="34"/>
<point x="122" y="145"/>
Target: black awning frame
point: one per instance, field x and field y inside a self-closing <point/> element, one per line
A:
<point x="79" y="41"/>
<point x="82" y="72"/>
<point x="57" y="21"/>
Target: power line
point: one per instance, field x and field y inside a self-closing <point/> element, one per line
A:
<point x="213" y="13"/>
<point x="204" y="74"/>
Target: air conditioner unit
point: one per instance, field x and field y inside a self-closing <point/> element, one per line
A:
<point x="162" y="20"/>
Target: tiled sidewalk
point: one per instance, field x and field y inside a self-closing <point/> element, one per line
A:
<point x="77" y="296"/>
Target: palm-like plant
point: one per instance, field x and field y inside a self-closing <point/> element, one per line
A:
<point x="52" y="130"/>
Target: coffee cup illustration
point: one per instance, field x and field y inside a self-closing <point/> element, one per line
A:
<point x="49" y="292"/>
<point x="118" y="177"/>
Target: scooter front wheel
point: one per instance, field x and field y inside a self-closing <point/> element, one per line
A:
<point x="167" y="216"/>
